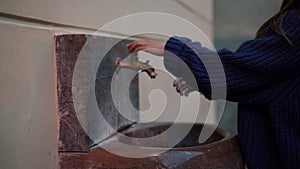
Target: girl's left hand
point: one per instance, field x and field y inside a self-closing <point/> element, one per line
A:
<point x="182" y="87"/>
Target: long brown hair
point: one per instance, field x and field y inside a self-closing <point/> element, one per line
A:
<point x="278" y="18"/>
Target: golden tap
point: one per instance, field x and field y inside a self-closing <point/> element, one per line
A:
<point x="135" y="64"/>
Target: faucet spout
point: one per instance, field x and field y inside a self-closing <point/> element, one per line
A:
<point x="135" y="64"/>
<point x="151" y="72"/>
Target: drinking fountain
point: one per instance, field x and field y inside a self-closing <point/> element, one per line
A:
<point x="79" y="149"/>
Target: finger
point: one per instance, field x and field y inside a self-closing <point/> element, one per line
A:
<point x="182" y="84"/>
<point x="179" y="90"/>
<point x="187" y="91"/>
<point x="186" y="94"/>
<point x="129" y="44"/>
<point x="133" y="46"/>
<point x="177" y="84"/>
<point x="180" y="79"/>
<point x="177" y="81"/>
<point x="139" y="48"/>
<point x="135" y="43"/>
<point x="184" y="87"/>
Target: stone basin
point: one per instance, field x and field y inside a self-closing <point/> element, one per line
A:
<point x="189" y="141"/>
<point x="220" y="151"/>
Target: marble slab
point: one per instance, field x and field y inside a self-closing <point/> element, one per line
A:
<point x="79" y="122"/>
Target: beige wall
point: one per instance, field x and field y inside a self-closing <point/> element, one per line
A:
<point x="28" y="122"/>
<point x="28" y="115"/>
<point x="94" y="14"/>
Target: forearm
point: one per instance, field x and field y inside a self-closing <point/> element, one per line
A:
<point x="211" y="70"/>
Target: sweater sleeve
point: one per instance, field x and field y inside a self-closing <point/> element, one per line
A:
<point x="251" y="73"/>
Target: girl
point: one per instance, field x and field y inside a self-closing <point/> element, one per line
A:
<point x="263" y="76"/>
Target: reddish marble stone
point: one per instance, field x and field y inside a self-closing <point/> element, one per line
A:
<point x="72" y="136"/>
<point x="220" y="152"/>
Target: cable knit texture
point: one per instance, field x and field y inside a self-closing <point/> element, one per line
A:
<point x="263" y="76"/>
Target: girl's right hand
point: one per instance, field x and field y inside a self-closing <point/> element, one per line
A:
<point x="150" y="46"/>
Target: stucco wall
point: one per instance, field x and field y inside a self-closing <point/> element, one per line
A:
<point x="28" y="119"/>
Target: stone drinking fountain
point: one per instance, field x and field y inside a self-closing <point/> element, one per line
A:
<point x="83" y="136"/>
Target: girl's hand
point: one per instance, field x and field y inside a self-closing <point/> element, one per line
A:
<point x="151" y="46"/>
<point x="182" y="87"/>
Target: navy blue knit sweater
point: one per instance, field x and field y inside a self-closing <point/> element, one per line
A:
<point x="263" y="76"/>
